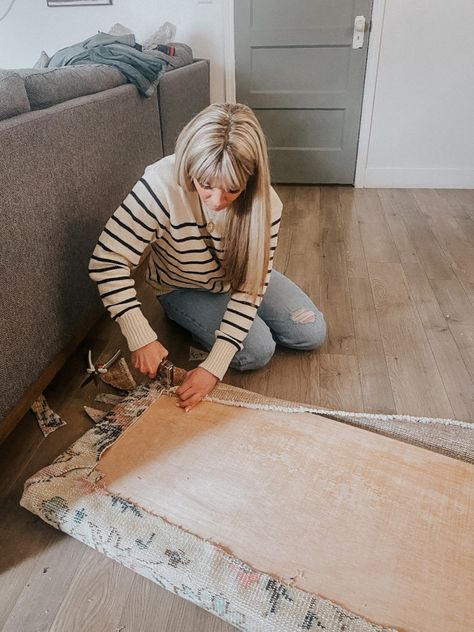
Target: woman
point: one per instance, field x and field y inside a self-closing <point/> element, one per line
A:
<point x="211" y="218"/>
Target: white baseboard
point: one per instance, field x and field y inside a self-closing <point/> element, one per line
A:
<point x="416" y="178"/>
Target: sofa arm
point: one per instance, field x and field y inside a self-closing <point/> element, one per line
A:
<point x="182" y="93"/>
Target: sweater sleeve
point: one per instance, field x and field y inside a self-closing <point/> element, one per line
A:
<point x="134" y="225"/>
<point x="241" y="310"/>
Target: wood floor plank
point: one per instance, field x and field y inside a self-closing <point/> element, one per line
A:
<point x="356" y="264"/>
<point x="427" y="248"/>
<point x="431" y="204"/>
<point x="335" y="299"/>
<point x="467" y="227"/>
<point x="339" y="380"/>
<point x="375" y="380"/>
<point x="457" y="381"/>
<point x="95" y="595"/>
<point x="52" y="574"/>
<point x="294" y="375"/>
<point x="22" y="538"/>
<point x="336" y="306"/>
<point x="296" y="270"/>
<point x="378" y="242"/>
<point x="455" y="244"/>
<point x="245" y="379"/>
<point x="458" y="312"/>
<point x="146" y="603"/>
<point x="416" y="382"/>
<point x="306" y="220"/>
<point x="305" y="252"/>
<point x="331" y="217"/>
<point x="189" y="618"/>
<point x="403" y="241"/>
<point x="459" y="202"/>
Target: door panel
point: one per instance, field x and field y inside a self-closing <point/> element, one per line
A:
<point x="293" y="14"/>
<point x="321" y="128"/>
<point x="295" y="66"/>
<point x="294" y="69"/>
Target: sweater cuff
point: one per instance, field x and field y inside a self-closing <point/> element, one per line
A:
<point x="136" y="329"/>
<point x="219" y="358"/>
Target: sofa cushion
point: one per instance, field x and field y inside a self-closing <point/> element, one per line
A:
<point x="47" y="86"/>
<point x="13" y="97"/>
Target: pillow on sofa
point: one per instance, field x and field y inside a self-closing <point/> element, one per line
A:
<point x="13" y="97"/>
<point x="43" y="60"/>
<point x="47" y="86"/>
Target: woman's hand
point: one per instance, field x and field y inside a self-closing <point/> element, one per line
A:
<point x="197" y="384"/>
<point x="147" y="359"/>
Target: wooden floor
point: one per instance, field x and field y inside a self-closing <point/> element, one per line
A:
<point x="393" y="273"/>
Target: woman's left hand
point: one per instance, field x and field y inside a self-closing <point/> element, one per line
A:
<point x="197" y="384"/>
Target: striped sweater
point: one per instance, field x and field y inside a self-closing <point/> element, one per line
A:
<point x="185" y="252"/>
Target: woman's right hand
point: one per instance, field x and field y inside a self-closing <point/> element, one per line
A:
<point x="147" y="359"/>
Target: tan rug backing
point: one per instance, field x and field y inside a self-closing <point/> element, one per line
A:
<point x="381" y="527"/>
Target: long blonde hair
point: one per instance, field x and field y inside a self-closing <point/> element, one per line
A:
<point x="225" y="145"/>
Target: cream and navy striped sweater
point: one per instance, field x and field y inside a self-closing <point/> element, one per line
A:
<point x="185" y="253"/>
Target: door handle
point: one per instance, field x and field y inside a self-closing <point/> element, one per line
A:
<point x="359" y="31"/>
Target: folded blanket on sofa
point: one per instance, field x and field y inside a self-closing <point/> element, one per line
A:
<point x="143" y="68"/>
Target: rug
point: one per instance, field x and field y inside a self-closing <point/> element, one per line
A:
<point x="83" y="494"/>
<point x="48" y="420"/>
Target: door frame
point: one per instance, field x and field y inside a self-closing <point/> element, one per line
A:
<point x="370" y="82"/>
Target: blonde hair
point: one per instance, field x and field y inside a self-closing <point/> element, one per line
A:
<point x="225" y="145"/>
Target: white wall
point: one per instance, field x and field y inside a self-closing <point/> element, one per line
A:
<point x="421" y="129"/>
<point x="32" y="26"/>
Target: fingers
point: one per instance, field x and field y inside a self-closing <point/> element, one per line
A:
<point x="147" y="359"/>
<point x="190" y="402"/>
<point x="197" y="384"/>
<point x="184" y="388"/>
<point x="189" y="395"/>
<point x="190" y="398"/>
<point x="145" y="367"/>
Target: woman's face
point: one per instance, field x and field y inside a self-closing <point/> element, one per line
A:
<point x="214" y="198"/>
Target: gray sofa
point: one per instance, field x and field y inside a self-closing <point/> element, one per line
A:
<point x="64" y="168"/>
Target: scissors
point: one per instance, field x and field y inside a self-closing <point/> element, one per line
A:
<point x="94" y="372"/>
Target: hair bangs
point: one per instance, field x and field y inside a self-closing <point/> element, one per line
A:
<point x="221" y="169"/>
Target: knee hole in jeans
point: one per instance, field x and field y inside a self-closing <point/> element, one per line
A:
<point x="309" y="332"/>
<point x="303" y="315"/>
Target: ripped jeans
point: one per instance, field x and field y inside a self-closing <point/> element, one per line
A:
<point x="286" y="317"/>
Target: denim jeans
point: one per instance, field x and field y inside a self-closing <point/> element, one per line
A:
<point x="286" y="316"/>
